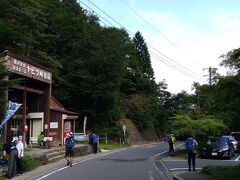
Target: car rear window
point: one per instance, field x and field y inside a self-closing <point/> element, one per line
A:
<point x="236" y="136"/>
<point x="219" y="141"/>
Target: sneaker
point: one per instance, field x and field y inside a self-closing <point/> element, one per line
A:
<point x="189" y="169"/>
<point x="68" y="163"/>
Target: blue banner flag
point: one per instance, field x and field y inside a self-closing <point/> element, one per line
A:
<point x="12" y="108"/>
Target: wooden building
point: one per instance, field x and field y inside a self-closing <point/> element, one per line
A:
<point x="39" y="110"/>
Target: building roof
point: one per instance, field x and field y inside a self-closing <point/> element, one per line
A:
<point x="55" y="105"/>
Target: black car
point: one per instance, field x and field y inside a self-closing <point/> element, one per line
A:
<point x="218" y="147"/>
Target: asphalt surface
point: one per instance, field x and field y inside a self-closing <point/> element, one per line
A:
<point x="145" y="162"/>
<point x="131" y="163"/>
<point x="125" y="164"/>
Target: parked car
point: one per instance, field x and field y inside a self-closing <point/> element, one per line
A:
<point x="81" y="137"/>
<point x="218" y="147"/>
<point x="232" y="139"/>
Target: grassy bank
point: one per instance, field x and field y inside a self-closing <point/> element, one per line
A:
<point x="111" y="146"/>
<point x="223" y="172"/>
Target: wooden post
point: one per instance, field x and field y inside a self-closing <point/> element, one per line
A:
<point x="24" y="113"/>
<point x="6" y="98"/>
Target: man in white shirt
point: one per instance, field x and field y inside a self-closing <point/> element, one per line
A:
<point x="20" y="148"/>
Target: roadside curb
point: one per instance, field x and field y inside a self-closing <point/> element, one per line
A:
<point x="175" y="175"/>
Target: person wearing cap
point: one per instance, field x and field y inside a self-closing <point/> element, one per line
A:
<point x="20" y="148"/>
<point x="69" y="148"/>
<point x="13" y="154"/>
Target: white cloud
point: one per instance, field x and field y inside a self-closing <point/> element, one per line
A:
<point x="200" y="46"/>
<point x="200" y="39"/>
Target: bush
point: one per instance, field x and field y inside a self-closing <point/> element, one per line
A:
<point x="183" y="127"/>
<point x="29" y="163"/>
<point x="223" y="172"/>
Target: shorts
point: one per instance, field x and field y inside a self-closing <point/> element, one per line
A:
<point x="69" y="153"/>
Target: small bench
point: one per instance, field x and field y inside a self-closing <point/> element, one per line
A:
<point x="48" y="138"/>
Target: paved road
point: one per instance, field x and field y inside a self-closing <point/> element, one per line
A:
<point x="176" y="165"/>
<point x="200" y="163"/>
<point x="127" y="164"/>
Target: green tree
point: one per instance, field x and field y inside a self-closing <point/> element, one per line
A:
<point x="143" y="56"/>
<point x="231" y="60"/>
<point x="183" y="126"/>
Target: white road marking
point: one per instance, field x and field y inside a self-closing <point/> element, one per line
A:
<point x="218" y="160"/>
<point x="167" y="150"/>
<point x="164" y="166"/>
<point x="150" y="175"/>
<point x="174" y="160"/>
<point x="81" y="161"/>
<point x="177" y="169"/>
<point x="237" y="159"/>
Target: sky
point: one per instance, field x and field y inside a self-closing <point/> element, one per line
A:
<point x="184" y="37"/>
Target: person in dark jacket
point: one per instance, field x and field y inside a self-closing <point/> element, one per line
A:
<point x="191" y="146"/>
<point x="13" y="155"/>
<point x="69" y="148"/>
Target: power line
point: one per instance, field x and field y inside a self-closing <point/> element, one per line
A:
<point x="173" y="65"/>
<point x="143" y="19"/>
<point x="190" y="73"/>
<point x="98" y="15"/>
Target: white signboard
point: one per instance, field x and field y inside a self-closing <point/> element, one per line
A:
<point x="53" y="125"/>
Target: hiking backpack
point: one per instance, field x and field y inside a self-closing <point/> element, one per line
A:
<point x="189" y="144"/>
<point x="69" y="143"/>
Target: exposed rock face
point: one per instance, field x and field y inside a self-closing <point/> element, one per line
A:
<point x="136" y="137"/>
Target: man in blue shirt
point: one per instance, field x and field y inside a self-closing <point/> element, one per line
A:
<point x="94" y="143"/>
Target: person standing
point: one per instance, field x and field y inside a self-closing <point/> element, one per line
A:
<point x="13" y="154"/>
<point x="69" y="148"/>
<point x="20" y="148"/>
<point x="94" y="143"/>
<point x="170" y="143"/>
<point x="191" y="145"/>
<point x="174" y="145"/>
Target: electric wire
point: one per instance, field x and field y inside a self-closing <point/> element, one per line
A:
<point x="172" y="65"/>
<point x="154" y="28"/>
<point x="143" y="19"/>
<point x="186" y="72"/>
<point x="98" y="15"/>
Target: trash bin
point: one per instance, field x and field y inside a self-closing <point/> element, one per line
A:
<point x="47" y="144"/>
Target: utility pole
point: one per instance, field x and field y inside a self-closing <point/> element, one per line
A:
<point x="211" y="74"/>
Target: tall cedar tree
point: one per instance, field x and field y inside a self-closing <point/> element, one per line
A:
<point x="146" y="83"/>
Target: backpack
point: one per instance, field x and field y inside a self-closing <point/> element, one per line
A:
<point x="189" y="144"/>
<point x="69" y="143"/>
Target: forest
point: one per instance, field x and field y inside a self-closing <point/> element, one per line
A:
<point x="105" y="74"/>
